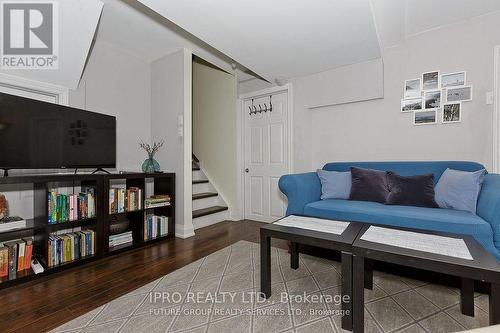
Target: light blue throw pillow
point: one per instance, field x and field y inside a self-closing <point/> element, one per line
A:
<point x="335" y="185"/>
<point x="459" y="190"/>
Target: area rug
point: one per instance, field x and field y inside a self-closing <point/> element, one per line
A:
<point x="219" y="293"/>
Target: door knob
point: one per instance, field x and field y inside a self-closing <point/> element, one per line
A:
<point x="247" y="170"/>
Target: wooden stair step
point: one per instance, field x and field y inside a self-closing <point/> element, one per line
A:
<point x="196" y="168"/>
<point x="204" y="195"/>
<point x="200" y="181"/>
<point x="208" y="211"/>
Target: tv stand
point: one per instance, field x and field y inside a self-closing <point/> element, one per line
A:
<point x="100" y="170"/>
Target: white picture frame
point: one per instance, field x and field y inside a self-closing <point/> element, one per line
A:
<point x="456" y="79"/>
<point x="425" y="117"/>
<point x="457" y="94"/>
<point x="449" y="112"/>
<point x="411" y="104"/>
<point x="431" y="80"/>
<point x="412" y="88"/>
<point x="432" y="99"/>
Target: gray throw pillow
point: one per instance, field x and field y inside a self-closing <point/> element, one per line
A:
<point x="335" y="185"/>
<point x="459" y="190"/>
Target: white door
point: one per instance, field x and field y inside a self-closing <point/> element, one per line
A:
<point x="266" y="157"/>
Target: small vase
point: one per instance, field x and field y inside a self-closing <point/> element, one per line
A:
<point x="150" y="165"/>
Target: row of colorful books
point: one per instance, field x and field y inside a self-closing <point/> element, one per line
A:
<point x="124" y="200"/>
<point x="155" y="226"/>
<point x="70" y="246"/>
<point x="124" y="238"/>
<point x="15" y="256"/>
<point x="71" y="207"/>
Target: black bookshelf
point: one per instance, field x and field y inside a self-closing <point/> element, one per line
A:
<point x="39" y="228"/>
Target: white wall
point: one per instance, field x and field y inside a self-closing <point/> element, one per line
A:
<point x="171" y="79"/>
<point x="119" y="84"/>
<point x="376" y="130"/>
<point x="215" y="128"/>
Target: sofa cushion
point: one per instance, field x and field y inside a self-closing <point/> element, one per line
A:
<point x="434" y="219"/>
<point x="459" y="189"/>
<point x="335" y="185"/>
<point x="411" y="190"/>
<point x="368" y="185"/>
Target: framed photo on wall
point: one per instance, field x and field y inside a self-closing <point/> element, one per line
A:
<point x="430" y="80"/>
<point x="411" y="104"/>
<point x="426" y="117"/>
<point x="459" y="94"/>
<point x="452" y="113"/>
<point x="432" y="99"/>
<point x="413" y="88"/>
<point x="453" y="79"/>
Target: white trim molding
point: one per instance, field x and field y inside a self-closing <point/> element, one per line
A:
<point x="496" y="111"/>
<point x="59" y="93"/>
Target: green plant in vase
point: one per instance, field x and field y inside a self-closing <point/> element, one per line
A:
<point x="150" y="165"/>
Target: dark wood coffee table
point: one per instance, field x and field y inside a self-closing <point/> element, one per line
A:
<point x="296" y="236"/>
<point x="483" y="267"/>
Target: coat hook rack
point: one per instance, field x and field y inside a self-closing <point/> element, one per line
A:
<point x="253" y="108"/>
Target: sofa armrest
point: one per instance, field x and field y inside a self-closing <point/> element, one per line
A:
<point x="300" y="189"/>
<point x="488" y="206"/>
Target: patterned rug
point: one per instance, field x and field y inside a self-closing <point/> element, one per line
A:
<point x="219" y="294"/>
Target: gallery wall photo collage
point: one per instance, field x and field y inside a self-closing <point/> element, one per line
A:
<point x="435" y="95"/>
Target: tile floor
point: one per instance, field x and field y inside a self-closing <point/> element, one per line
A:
<point x="394" y="305"/>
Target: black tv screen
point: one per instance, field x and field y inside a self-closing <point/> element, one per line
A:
<point x="39" y="135"/>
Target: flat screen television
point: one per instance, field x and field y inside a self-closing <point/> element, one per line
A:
<point x="41" y="135"/>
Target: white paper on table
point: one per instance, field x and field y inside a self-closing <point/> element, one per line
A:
<point x="315" y="224"/>
<point x="447" y="246"/>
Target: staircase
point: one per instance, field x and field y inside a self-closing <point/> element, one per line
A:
<point x="208" y="206"/>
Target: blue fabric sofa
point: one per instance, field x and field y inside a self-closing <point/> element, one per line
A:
<point x="304" y="190"/>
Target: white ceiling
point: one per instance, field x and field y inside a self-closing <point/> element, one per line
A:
<point x="280" y="38"/>
<point x="137" y="30"/>
<point x="398" y="20"/>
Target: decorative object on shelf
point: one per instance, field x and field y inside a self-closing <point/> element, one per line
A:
<point x="4" y="206"/>
<point x="118" y="225"/>
<point x="12" y="223"/>
<point x="150" y="165"/>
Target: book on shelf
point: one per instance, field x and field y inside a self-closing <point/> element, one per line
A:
<point x="155" y="226"/>
<point x="12" y="223"/>
<point x="15" y="256"/>
<point x="71" y="207"/>
<point x="121" y="239"/>
<point x="70" y="246"/>
<point x="123" y="200"/>
<point x="155" y="201"/>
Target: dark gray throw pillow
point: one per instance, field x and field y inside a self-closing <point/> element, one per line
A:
<point x="368" y="185"/>
<point x="411" y="191"/>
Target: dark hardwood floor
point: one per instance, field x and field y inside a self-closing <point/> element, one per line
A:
<point x="42" y="305"/>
